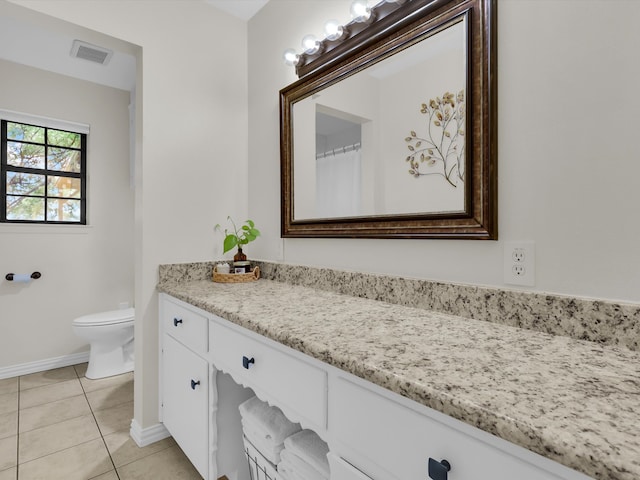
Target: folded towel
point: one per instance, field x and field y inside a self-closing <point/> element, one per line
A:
<point x="300" y="467"/>
<point x="287" y="472"/>
<point x="256" y="459"/>
<point x="307" y="445"/>
<point x="284" y="474"/>
<point x="268" y="449"/>
<point x="270" y="421"/>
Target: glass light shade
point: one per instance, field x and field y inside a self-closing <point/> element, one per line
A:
<point x="310" y="44"/>
<point x="291" y="57"/>
<point x="360" y="11"/>
<point x="333" y="30"/>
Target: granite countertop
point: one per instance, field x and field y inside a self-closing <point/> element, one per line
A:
<point x="573" y="401"/>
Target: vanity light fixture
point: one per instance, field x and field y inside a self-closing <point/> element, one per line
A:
<point x="361" y="16"/>
<point x="333" y="30"/>
<point x="310" y="44"/>
<point x="360" y="11"/>
<point x="291" y="58"/>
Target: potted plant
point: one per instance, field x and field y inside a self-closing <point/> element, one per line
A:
<point x="239" y="237"/>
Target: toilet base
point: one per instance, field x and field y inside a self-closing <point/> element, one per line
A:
<point x="104" y="363"/>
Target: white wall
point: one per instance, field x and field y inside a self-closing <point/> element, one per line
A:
<point x="85" y="269"/>
<point x="191" y="164"/>
<point x="569" y="174"/>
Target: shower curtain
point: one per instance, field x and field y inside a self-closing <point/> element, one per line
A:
<point x="338" y="183"/>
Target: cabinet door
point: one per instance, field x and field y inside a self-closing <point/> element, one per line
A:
<point x="185" y="401"/>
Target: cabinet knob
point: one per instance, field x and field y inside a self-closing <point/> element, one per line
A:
<point x="438" y="470"/>
<point x="194" y="383"/>
<point x="247" y="361"/>
<point x="176" y="321"/>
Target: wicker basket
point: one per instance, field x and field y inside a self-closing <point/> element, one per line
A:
<point x="236" y="277"/>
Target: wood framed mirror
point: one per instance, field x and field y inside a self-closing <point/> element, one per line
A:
<point x="391" y="131"/>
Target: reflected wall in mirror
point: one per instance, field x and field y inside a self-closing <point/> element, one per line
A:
<point x="396" y="137"/>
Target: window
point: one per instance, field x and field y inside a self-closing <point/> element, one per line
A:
<point x="43" y="174"/>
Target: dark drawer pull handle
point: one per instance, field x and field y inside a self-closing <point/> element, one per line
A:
<point x="194" y="383"/>
<point x="176" y="321"/>
<point x="247" y="361"/>
<point x="438" y="470"/>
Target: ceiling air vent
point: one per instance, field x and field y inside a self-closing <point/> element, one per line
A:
<point x="86" y="51"/>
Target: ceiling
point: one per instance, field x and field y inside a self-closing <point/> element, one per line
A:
<point x="45" y="43"/>
<point x="244" y="9"/>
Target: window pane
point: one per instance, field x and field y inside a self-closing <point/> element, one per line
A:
<point x="25" y="155"/>
<point x="59" y="210"/>
<point x="63" y="187"/>
<point x="63" y="160"/>
<point x="25" y="184"/>
<point x="25" y="208"/>
<point x="63" y="139"/>
<point x="29" y="133"/>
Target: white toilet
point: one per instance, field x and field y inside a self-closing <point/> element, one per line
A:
<point x="110" y="335"/>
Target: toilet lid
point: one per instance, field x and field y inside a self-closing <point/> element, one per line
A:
<point x="112" y="317"/>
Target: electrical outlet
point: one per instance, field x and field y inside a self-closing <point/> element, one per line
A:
<point x="518" y="270"/>
<point x="518" y="255"/>
<point x="519" y="263"/>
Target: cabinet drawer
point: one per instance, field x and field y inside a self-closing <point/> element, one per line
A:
<point x="297" y="387"/>
<point x="389" y="440"/>
<point x="341" y="470"/>
<point x="185" y="325"/>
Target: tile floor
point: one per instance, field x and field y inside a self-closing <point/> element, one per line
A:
<point x="59" y="425"/>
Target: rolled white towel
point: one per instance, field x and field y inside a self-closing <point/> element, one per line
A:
<point x="300" y="467"/>
<point x="288" y="472"/>
<point x="284" y="474"/>
<point x="307" y="445"/>
<point x="268" y="449"/>
<point x="270" y="421"/>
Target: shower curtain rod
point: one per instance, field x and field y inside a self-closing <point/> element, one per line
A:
<point x="345" y="149"/>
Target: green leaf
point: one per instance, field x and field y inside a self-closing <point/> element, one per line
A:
<point x="255" y="232"/>
<point x="230" y="241"/>
<point x="251" y="224"/>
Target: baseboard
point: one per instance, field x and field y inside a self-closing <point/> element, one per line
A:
<point x="149" y="435"/>
<point x="42" y="365"/>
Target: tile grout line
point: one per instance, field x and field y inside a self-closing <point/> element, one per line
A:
<point x="97" y="425"/>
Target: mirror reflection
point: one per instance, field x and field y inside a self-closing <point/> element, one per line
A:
<point x="388" y="140"/>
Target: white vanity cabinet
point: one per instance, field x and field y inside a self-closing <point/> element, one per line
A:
<point x="373" y="433"/>
<point x="185" y="384"/>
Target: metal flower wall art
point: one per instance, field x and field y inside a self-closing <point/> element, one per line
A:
<point x="441" y="150"/>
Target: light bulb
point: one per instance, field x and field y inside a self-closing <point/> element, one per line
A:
<point x="333" y="30"/>
<point x="360" y="11"/>
<point x="291" y="57"/>
<point x="310" y="44"/>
